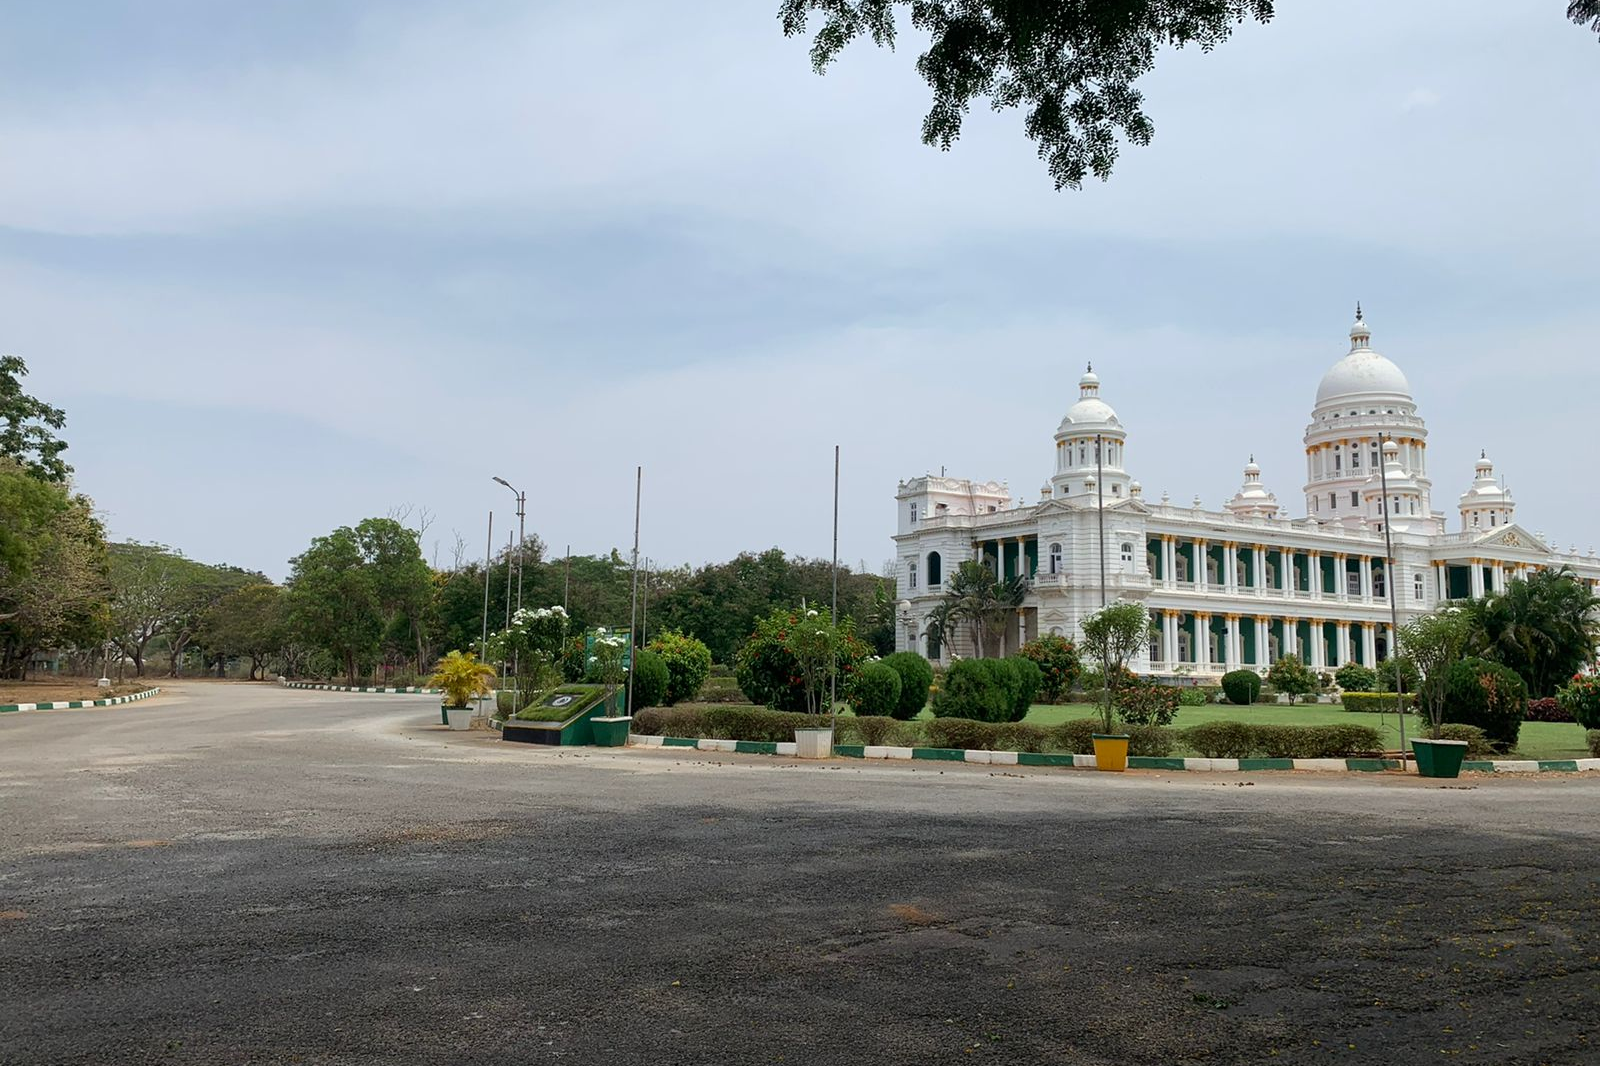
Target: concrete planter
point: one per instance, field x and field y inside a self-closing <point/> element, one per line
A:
<point x="813" y="743"/>
<point x="458" y="717"/>
<point x="611" y="732"/>
<point x="1439" y="758"/>
<point x="1111" y="751"/>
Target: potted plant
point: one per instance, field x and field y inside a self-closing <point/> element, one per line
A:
<point x="1434" y="643"/>
<point x="606" y="666"/>
<point x="1113" y="635"/>
<point x="462" y="678"/>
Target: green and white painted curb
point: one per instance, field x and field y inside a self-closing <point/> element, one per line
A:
<point x="359" y="688"/>
<point x="64" y="705"/>
<point x="1086" y="762"/>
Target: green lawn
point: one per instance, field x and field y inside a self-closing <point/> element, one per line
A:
<point x="1538" y="740"/>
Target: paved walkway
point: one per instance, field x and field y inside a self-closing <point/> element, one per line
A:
<point x="242" y="874"/>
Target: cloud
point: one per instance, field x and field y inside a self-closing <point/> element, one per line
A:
<point x="1420" y="98"/>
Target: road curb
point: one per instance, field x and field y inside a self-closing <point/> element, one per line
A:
<point x="1086" y="762"/>
<point x="359" y="688"/>
<point x="65" y="705"/>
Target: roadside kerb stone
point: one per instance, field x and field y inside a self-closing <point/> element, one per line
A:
<point x="1086" y="762"/>
<point x="66" y="705"/>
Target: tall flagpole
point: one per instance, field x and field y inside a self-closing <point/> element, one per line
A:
<point x="483" y="641"/>
<point x="633" y="617"/>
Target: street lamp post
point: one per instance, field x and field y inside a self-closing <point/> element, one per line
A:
<point x="522" y="506"/>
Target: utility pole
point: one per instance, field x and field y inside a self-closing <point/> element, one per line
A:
<point x="633" y="617"/>
<point x="566" y="583"/>
<point x="1394" y="605"/>
<point x="833" y="670"/>
<point x="1100" y="508"/>
<point x="483" y="640"/>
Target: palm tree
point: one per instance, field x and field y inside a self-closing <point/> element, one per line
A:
<point x="1544" y="627"/>
<point x="972" y="595"/>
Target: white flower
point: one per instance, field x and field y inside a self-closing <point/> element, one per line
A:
<point x="811" y="614"/>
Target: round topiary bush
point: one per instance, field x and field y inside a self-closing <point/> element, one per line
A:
<point x="1242" y="687"/>
<point x="874" y="689"/>
<point x="983" y="690"/>
<point x="650" y="680"/>
<point x="1490" y="696"/>
<point x="688" y="664"/>
<point x="916" y="677"/>
<point x="1353" y="677"/>
<point x="1030" y="678"/>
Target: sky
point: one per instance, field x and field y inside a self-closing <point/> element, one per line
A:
<point x="291" y="265"/>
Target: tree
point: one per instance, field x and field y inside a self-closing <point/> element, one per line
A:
<point x="1543" y="627"/>
<point x="973" y="596"/>
<point x="248" y="621"/>
<point x="332" y="601"/>
<point x="53" y="588"/>
<point x="401" y="581"/>
<point x="1435" y="643"/>
<point x="1071" y="63"/>
<point x="27" y="426"/>
<point x="1292" y="677"/>
<point x="1058" y="658"/>
<point x="1112" y="636"/>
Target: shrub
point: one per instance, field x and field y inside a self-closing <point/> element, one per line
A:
<point x="1353" y="677"/>
<point x="1593" y="737"/>
<point x="1241" y="686"/>
<point x="669" y="722"/>
<point x="1021" y="736"/>
<point x="916" y="676"/>
<point x="722" y="690"/>
<point x="1291" y="677"/>
<point x="1077" y="736"/>
<point x="756" y="723"/>
<point x="1581" y="698"/>
<point x="1221" y="740"/>
<point x="688" y="664"/>
<point x="1059" y="662"/>
<point x="1029" y="679"/>
<point x="1490" y="696"/>
<point x="1478" y="746"/>
<point x="869" y="729"/>
<point x="980" y="689"/>
<point x="1242" y="740"/>
<point x="1547" y="709"/>
<point x="1147" y="704"/>
<point x="650" y="679"/>
<point x="960" y="733"/>
<point x="574" y="658"/>
<point x="1410" y="676"/>
<point x="772" y="666"/>
<point x="1192" y="696"/>
<point x="1375" y="702"/>
<point x="874" y="690"/>
<point x="1151" y="740"/>
<point x="463" y="678"/>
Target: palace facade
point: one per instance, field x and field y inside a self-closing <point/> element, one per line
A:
<point x="1244" y="585"/>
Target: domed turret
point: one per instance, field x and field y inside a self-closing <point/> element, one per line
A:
<point x="1089" y="446"/>
<point x="1405" y="506"/>
<point x="1362" y="400"/>
<point x="1487" y="504"/>
<point x="1253" y="499"/>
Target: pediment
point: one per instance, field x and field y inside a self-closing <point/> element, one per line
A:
<point x="1514" y="536"/>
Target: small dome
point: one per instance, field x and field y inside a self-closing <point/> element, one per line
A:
<point x="1089" y="380"/>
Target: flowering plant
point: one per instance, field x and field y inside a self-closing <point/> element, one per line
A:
<point x="1581" y="697"/>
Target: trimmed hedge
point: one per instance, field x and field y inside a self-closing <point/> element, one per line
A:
<point x="721" y="688"/>
<point x="1244" y="740"/>
<point x="1374" y="702"/>
<point x="1478" y="746"/>
<point x="651" y="678"/>
<point x="916" y="677"/>
<point x="1242" y="687"/>
<point x="1077" y="737"/>
<point x="984" y="690"/>
<point x="1593" y="737"/>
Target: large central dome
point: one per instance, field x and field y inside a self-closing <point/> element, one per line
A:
<point x="1363" y="373"/>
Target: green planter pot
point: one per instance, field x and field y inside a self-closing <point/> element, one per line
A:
<point x="444" y="715"/>
<point x="611" y="732"/>
<point x="1439" y="758"/>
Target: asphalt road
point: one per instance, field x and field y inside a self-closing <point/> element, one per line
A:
<point x="242" y="874"/>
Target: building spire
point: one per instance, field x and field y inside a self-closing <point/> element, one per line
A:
<point x="1358" y="310"/>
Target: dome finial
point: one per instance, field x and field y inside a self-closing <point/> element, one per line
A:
<point x="1088" y="368"/>
<point x="1358" y="310"/>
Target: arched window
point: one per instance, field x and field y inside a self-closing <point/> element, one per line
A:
<point x="911" y="572"/>
<point x="1055" y="558"/>
<point x="935" y="568"/>
<point x="1127" y="553"/>
<point x="1416" y="587"/>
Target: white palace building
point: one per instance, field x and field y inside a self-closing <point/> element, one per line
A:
<point x="1241" y="586"/>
